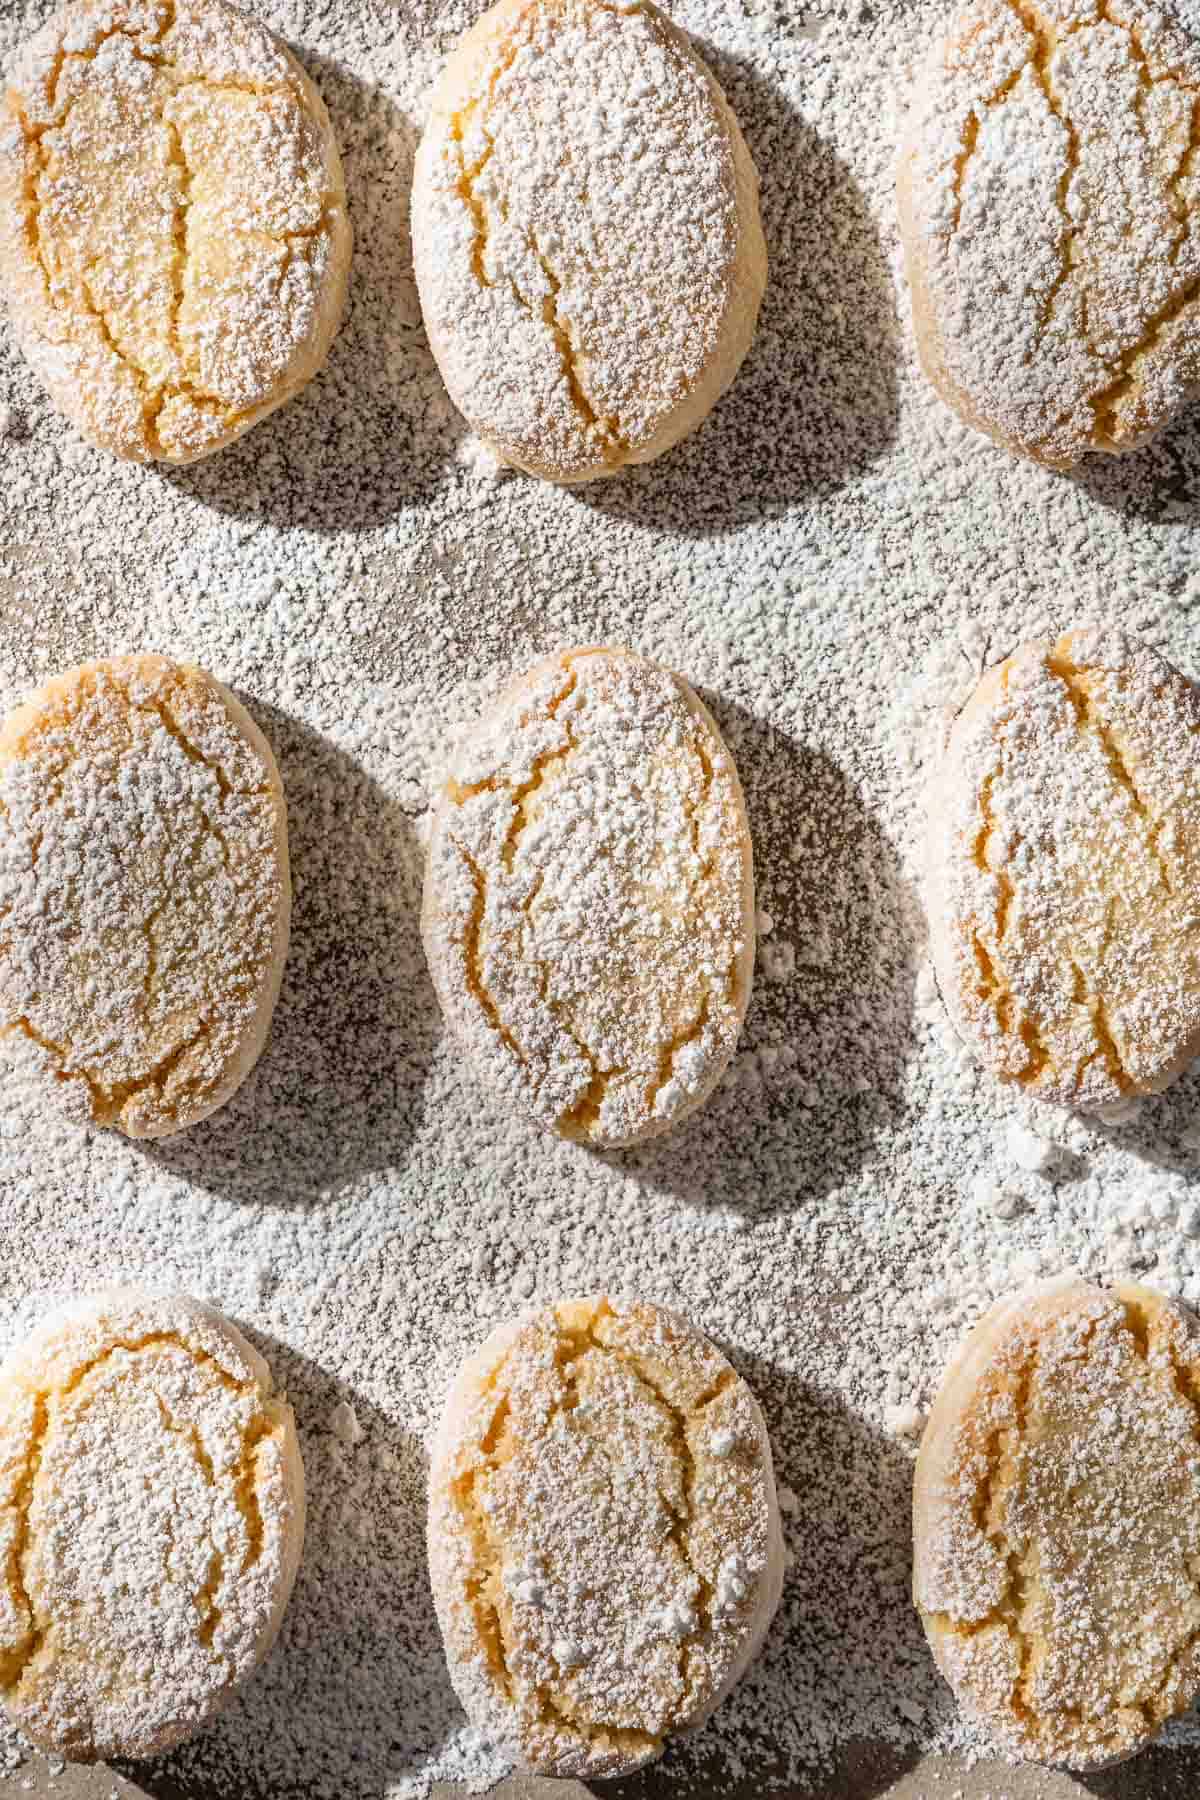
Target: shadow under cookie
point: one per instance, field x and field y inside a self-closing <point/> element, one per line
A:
<point x="337" y="1093"/>
<point x="816" y="402"/>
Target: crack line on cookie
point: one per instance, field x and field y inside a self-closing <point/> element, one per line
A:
<point x="48" y="1407"/>
<point x="994" y="987"/>
<point x="607" y="430"/>
<point x="155" y="395"/>
<point x="970" y="139"/>
<point x="483" y="1582"/>
<point x="1043" y="50"/>
<point x="18" y="1657"/>
<point x="672" y="1050"/>
<point x="208" y="1612"/>
<point x="473" y="968"/>
<point x="1089" y="718"/>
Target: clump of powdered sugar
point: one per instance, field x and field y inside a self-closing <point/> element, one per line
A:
<point x="359" y="1205"/>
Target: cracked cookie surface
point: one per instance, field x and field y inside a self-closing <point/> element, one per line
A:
<point x="1057" y="1521"/>
<point x="586" y="235"/>
<point x="1064" y="870"/>
<point x="604" y="1538"/>
<point x="151" y="1522"/>
<point x="589" y="897"/>
<point x="174" y="239"/>
<point x="1050" y="207"/>
<point x="144" y="892"/>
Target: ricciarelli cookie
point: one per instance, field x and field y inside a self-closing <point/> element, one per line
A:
<point x="1064" y="870"/>
<point x="1056" y="1518"/>
<point x="586" y="235"/>
<point x="604" y="1539"/>
<point x="589" y="897"/>
<point x="144" y="892"/>
<point x="151" y="1522"/>
<point x="174" y="241"/>
<point x="1050" y="204"/>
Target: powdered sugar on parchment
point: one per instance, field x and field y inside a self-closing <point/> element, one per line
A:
<point x="825" y="561"/>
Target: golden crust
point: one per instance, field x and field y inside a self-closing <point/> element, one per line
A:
<point x="604" y="1540"/>
<point x="146" y="894"/>
<point x="174" y="239"/>
<point x="1056" y="1519"/>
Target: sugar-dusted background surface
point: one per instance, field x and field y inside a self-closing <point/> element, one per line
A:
<point x="829" y="559"/>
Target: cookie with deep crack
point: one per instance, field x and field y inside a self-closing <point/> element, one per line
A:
<point x="1050" y="209"/>
<point x="144" y="892"/>
<point x="604" y="1539"/>
<point x="586" y="235"/>
<point x="589" y="897"/>
<point x="1056" y="1518"/>
<point x="151" y="1522"/>
<point x="1064" y="870"/>
<point x="174" y="241"/>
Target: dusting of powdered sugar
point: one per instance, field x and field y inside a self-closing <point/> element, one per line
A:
<point x="173" y="236"/>
<point x="144" y="893"/>
<point x="601" y="1575"/>
<point x="1057" y="141"/>
<point x="1056" y="1516"/>
<point x="151" y="1519"/>
<point x="828" y="560"/>
<point x="588" y="900"/>
<point x="576" y="229"/>
<point x="1064" y="888"/>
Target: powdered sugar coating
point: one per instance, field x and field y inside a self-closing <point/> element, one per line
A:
<point x="602" y="1576"/>
<point x="151" y="1518"/>
<point x="589" y="897"/>
<point x="1064" y="844"/>
<point x="1051" y="204"/>
<point x="144" y="893"/>
<point x="173" y="231"/>
<point x="1057" y="1517"/>
<point x="585" y="234"/>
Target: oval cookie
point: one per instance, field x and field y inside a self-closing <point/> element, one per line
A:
<point x="589" y="898"/>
